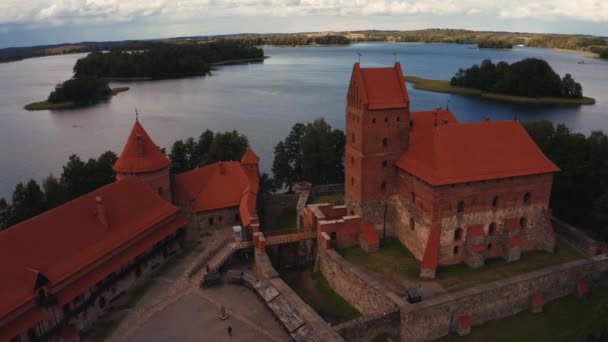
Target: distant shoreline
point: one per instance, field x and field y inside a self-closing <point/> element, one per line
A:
<point x="46" y="105"/>
<point x="442" y="86"/>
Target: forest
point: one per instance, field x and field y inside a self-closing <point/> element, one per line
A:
<point x="81" y="91"/>
<point x="580" y="190"/>
<point x="165" y="60"/>
<point x="583" y="43"/>
<point x="494" y="44"/>
<point x="530" y="77"/>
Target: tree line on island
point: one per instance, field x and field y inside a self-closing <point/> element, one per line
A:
<point x="487" y="39"/>
<point x="165" y="60"/>
<point x="315" y="152"/>
<point x="531" y="77"/>
<point x="89" y="84"/>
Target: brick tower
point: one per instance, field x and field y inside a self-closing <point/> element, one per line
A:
<point x="143" y="159"/>
<point x="377" y="134"/>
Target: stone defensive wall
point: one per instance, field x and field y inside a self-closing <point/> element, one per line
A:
<point x="367" y="328"/>
<point x="577" y="237"/>
<point x="313" y="327"/>
<point x="438" y="316"/>
<point x="366" y="294"/>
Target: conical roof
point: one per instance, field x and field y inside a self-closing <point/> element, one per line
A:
<point x="140" y="153"/>
<point x="250" y="157"/>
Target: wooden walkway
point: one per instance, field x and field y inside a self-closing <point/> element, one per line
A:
<point x="289" y="238"/>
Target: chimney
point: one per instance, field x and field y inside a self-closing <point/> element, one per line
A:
<point x="140" y="146"/>
<point x="222" y="169"/>
<point x="100" y="212"/>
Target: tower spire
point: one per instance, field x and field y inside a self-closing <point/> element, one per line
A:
<point x="136" y="114"/>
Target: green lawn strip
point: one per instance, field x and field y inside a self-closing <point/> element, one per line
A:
<point x="443" y="86"/>
<point x="459" y="276"/>
<point x="562" y="320"/>
<point x="393" y="259"/>
<point x="322" y="298"/>
<point x="287" y="221"/>
<point x="335" y="199"/>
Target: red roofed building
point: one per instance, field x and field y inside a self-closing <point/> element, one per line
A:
<point x="412" y="171"/>
<point x="60" y="269"/>
<point x="142" y="158"/>
<point x="218" y="195"/>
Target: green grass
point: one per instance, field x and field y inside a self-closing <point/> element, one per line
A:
<point x="445" y="87"/>
<point x="287" y="221"/>
<point x="335" y="199"/>
<point x="561" y="320"/>
<point x="317" y="293"/>
<point x="46" y="105"/>
<point x="461" y="276"/>
<point x="393" y="260"/>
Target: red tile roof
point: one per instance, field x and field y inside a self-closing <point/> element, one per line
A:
<point x="140" y="153"/>
<point x="370" y="235"/>
<point x="63" y="241"/>
<point x="24" y="321"/>
<point x="382" y="88"/>
<point x="215" y="186"/>
<point x="476" y="230"/>
<point x="431" y="253"/>
<point x="250" y="157"/>
<point x="456" y="153"/>
<point x="512" y="223"/>
<point x="247" y="207"/>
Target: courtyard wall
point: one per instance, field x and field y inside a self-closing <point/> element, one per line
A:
<point x="436" y="317"/>
<point x="366" y="294"/>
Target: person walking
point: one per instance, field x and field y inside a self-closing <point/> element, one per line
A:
<point x="230" y="330"/>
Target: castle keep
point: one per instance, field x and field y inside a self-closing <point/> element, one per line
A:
<point x="451" y="192"/>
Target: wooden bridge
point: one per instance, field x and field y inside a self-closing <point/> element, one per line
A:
<point x="289" y="238"/>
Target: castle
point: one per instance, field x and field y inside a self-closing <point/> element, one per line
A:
<point x="63" y="268"/>
<point x="450" y="192"/>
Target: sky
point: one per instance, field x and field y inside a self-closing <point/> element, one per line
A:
<point x="34" y="22"/>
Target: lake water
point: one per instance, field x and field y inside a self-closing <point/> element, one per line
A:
<point x="261" y="100"/>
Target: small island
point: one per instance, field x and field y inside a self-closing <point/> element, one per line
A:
<point x="77" y="92"/>
<point x="530" y="81"/>
<point x="166" y="61"/>
<point x="497" y="44"/>
<point x="89" y="85"/>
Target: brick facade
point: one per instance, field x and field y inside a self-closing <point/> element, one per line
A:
<point x="470" y="208"/>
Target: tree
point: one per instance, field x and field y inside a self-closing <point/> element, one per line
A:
<point x="55" y="192"/>
<point x="27" y="202"/>
<point x="4" y="213"/>
<point x="227" y="146"/>
<point x="281" y="168"/>
<point x="209" y="148"/>
<point x="312" y="152"/>
<point x="75" y="177"/>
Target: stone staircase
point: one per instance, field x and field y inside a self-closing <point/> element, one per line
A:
<point x="217" y="260"/>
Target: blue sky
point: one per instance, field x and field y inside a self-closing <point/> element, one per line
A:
<point x="31" y="22"/>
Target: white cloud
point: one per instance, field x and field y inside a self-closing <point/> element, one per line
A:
<point x="41" y="13"/>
